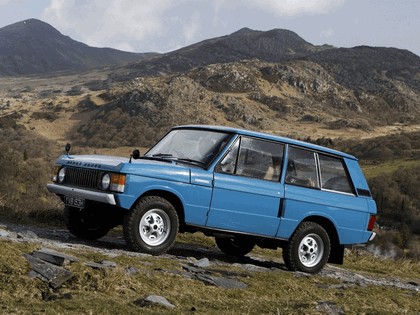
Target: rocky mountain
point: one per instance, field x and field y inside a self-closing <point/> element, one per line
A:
<point x="35" y="47"/>
<point x="271" y="81"/>
<point x="277" y="45"/>
<point x="298" y="97"/>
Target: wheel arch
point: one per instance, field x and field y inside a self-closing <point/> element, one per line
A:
<point x="337" y="250"/>
<point x="172" y="198"/>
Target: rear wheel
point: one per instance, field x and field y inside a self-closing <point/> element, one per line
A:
<point x="151" y="226"/>
<point x="238" y="246"/>
<point x="89" y="223"/>
<point x="308" y="249"/>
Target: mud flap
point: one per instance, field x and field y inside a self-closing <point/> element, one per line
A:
<point x="336" y="255"/>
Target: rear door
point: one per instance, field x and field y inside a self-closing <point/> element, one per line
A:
<point x="247" y="193"/>
<point x="319" y="185"/>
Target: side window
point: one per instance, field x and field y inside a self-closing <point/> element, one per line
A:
<point x="254" y="158"/>
<point x="302" y="168"/>
<point x="333" y="174"/>
<point x="228" y="164"/>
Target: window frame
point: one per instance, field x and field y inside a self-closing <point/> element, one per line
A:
<point x="281" y="156"/>
<point x="348" y="177"/>
<point x="319" y="172"/>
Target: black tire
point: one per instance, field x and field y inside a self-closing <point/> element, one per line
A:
<point x="308" y="249"/>
<point x="151" y="226"/>
<point x="88" y="223"/>
<point x="238" y="246"/>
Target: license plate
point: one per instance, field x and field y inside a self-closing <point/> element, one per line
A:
<point x="74" y="202"/>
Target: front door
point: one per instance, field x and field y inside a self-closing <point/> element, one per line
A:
<point x="247" y="192"/>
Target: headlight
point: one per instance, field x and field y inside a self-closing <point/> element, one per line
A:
<point x="61" y="175"/>
<point x="113" y="182"/>
<point x="106" y="181"/>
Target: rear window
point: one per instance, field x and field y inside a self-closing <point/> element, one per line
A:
<point x="333" y="174"/>
<point x="316" y="170"/>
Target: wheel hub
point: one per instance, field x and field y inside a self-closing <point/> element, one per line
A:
<point x="154" y="227"/>
<point x="311" y="250"/>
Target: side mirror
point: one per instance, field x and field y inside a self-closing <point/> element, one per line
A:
<point x="67" y="148"/>
<point x="135" y="155"/>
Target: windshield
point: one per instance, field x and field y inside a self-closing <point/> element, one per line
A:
<point x="190" y="146"/>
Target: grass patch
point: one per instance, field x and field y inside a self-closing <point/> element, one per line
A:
<point x="372" y="170"/>
<point x="114" y="291"/>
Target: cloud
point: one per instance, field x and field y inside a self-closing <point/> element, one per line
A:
<point x="191" y="28"/>
<point x="107" y="22"/>
<point x="162" y="25"/>
<point x="327" y="33"/>
<point x="284" y="8"/>
<point x="291" y="8"/>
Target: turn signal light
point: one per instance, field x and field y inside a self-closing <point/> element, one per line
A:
<point x="118" y="182"/>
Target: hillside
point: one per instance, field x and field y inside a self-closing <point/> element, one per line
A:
<point x="194" y="277"/>
<point x="35" y="47"/>
<point x="363" y="100"/>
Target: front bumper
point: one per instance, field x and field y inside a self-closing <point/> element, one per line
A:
<point x="82" y="193"/>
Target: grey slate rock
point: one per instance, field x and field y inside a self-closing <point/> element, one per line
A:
<point x="54" y="257"/>
<point x="55" y="275"/>
<point x="131" y="270"/>
<point x="27" y="234"/>
<point x="109" y="263"/>
<point x="222" y="282"/>
<point x="208" y="278"/>
<point x="202" y="263"/>
<point x="154" y="300"/>
<point x="329" y="308"/>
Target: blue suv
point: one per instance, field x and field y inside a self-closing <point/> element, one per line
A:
<point x="244" y="188"/>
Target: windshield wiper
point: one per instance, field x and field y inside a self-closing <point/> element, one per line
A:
<point x="163" y="155"/>
<point x="191" y="161"/>
<point x="159" y="157"/>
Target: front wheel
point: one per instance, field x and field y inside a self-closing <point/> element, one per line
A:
<point x="151" y="226"/>
<point x="308" y="249"/>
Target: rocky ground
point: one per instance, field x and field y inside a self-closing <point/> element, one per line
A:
<point x="193" y="258"/>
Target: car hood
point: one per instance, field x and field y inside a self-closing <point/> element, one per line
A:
<point x="101" y="162"/>
<point x="162" y="169"/>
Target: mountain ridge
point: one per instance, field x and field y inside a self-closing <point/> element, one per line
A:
<point x="35" y="47"/>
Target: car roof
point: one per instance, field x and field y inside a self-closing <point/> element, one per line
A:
<point x="267" y="136"/>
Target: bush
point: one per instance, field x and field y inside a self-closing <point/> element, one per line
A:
<point x="25" y="166"/>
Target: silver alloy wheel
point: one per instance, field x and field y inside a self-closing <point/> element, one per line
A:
<point x="311" y="250"/>
<point x="154" y="227"/>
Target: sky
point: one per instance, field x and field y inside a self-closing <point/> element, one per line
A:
<point x="166" y="25"/>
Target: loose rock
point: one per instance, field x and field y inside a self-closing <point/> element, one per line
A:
<point x="154" y="300"/>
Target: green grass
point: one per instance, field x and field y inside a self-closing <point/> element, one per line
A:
<point x="372" y="169"/>
<point x="113" y="291"/>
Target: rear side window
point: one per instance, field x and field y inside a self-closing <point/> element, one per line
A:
<point x="333" y="174"/>
<point x="302" y="168"/>
<point x="254" y="158"/>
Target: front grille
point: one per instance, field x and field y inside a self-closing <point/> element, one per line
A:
<point x="83" y="177"/>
